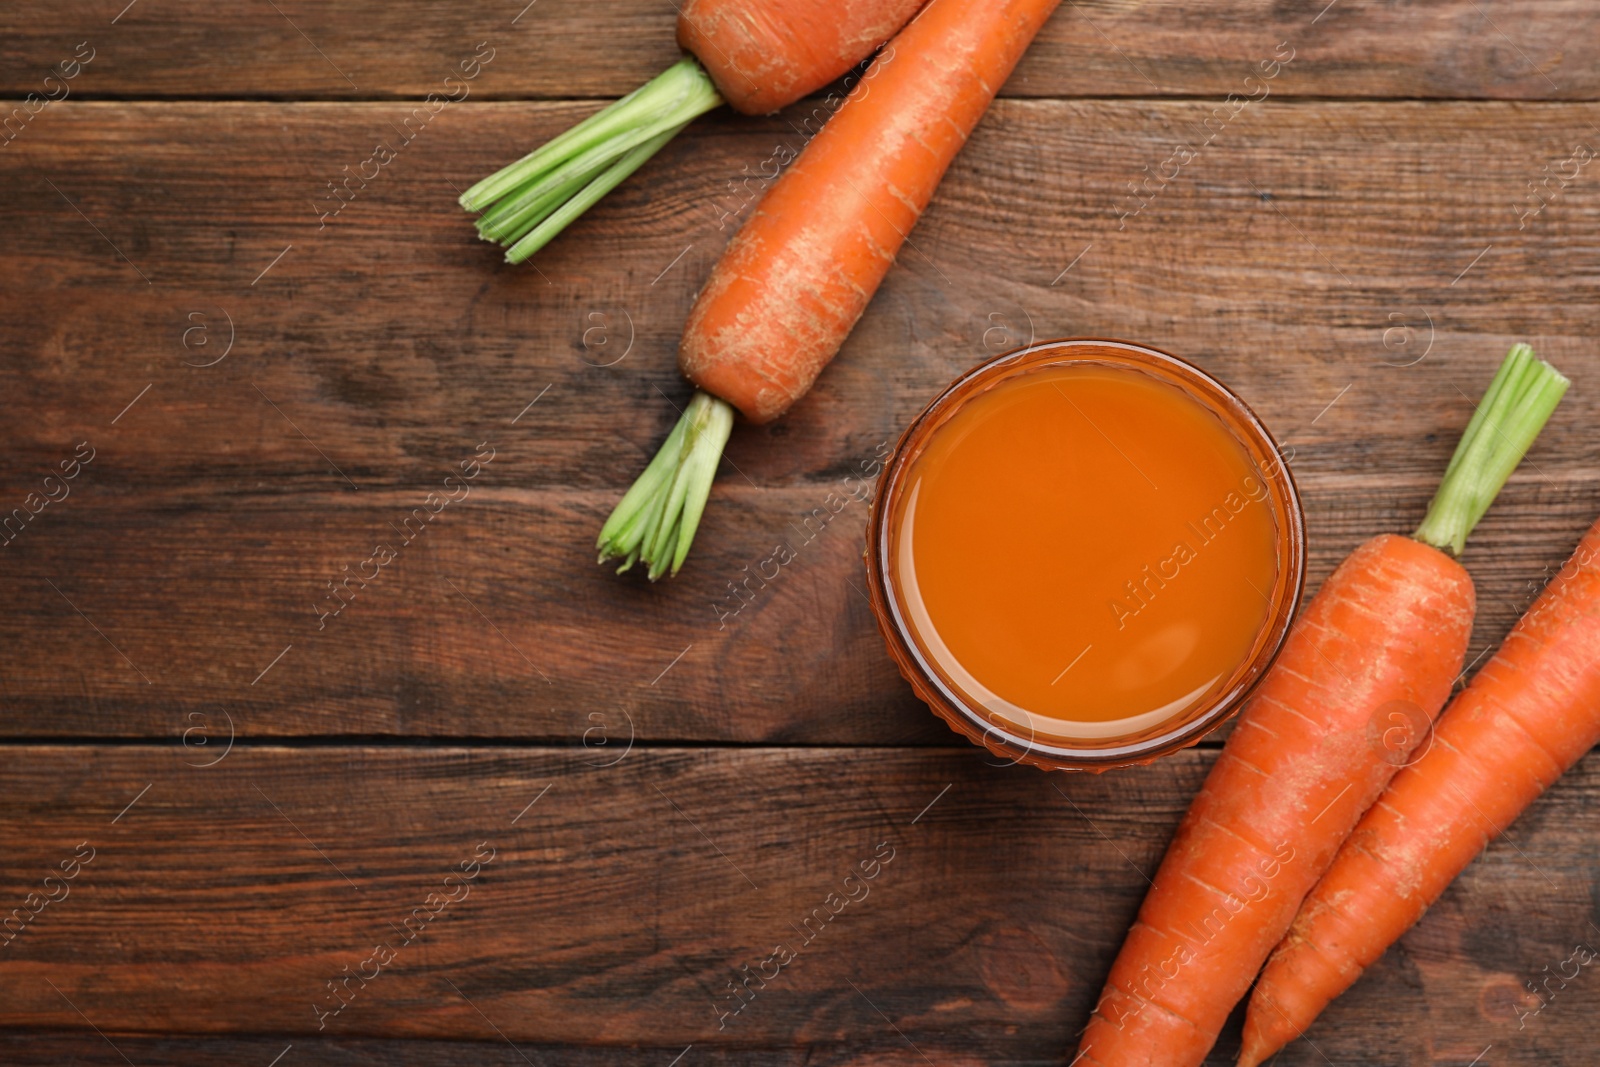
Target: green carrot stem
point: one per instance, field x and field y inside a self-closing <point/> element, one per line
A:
<point x="514" y="217"/>
<point x="1520" y="400"/>
<point x="588" y="160"/>
<point x="641" y="105"/>
<point x="545" y="231"/>
<point x="603" y="124"/>
<point x="655" y="521"/>
<point x="506" y="220"/>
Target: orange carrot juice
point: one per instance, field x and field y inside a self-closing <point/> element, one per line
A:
<point x="1084" y="552"/>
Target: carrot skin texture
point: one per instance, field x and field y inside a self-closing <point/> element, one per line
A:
<point x="1390" y="624"/>
<point x="765" y="56"/>
<point x="1527" y="716"/>
<point x="800" y="272"/>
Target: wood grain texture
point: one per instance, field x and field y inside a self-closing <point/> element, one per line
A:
<point x="369" y="49"/>
<point x="273" y="377"/>
<point x="1351" y="269"/>
<point x="616" y="909"/>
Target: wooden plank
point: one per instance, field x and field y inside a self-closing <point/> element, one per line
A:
<point x="1545" y="49"/>
<point x="35" y="1049"/>
<point x="1341" y="265"/>
<point x="618" y="906"/>
<point x="461" y="639"/>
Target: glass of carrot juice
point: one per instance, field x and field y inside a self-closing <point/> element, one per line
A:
<point x="1084" y="554"/>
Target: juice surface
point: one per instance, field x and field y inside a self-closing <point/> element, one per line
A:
<point x="1085" y="550"/>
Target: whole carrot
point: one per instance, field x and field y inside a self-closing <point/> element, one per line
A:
<point x="1386" y="634"/>
<point x="757" y="55"/>
<point x="799" y="273"/>
<point x="1527" y="716"/>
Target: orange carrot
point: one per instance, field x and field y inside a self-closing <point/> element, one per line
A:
<point x="1385" y="635"/>
<point x="758" y="55"/>
<point x="1389" y="627"/>
<point x="800" y="272"/>
<point x="798" y="275"/>
<point x="766" y="55"/>
<point x="1527" y="716"/>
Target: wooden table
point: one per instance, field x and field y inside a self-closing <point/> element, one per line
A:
<point x="639" y="793"/>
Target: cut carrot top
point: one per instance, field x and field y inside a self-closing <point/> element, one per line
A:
<point x="656" y="519"/>
<point x="1518" y="403"/>
<point x="526" y="204"/>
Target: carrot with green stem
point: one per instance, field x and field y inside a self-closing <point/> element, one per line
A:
<point x="757" y="55"/>
<point x="1384" y="636"/>
<point x="800" y="272"/>
<point x="1526" y="717"/>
